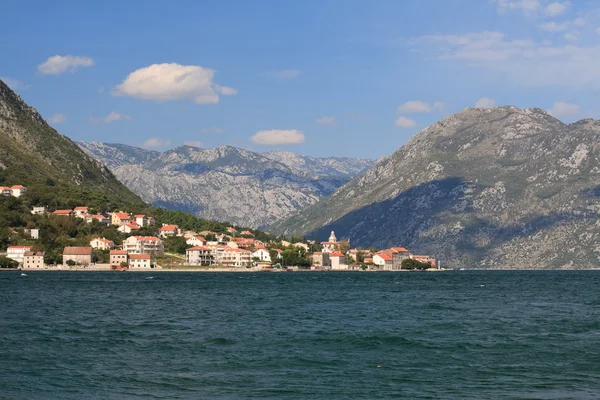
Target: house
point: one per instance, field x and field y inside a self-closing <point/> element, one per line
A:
<point x="321" y="259"/>
<point x="424" y="259"/>
<point x="33" y="260"/>
<point x="169" y="230"/>
<point x="236" y="257"/>
<point x="18" y="190"/>
<point x="196" y="241"/>
<point x="285" y="243"/>
<point x="384" y="260"/>
<point x="102" y="244"/>
<point x="141" y="220"/>
<point x="247" y="233"/>
<point x="369" y="260"/>
<point x="98" y="217"/>
<point x="120" y="218"/>
<point x="199" y="255"/>
<point x="399" y="254"/>
<point x="244" y="243"/>
<point x="331" y="245"/>
<point x="233" y="244"/>
<point x="39" y="210"/>
<point x="33" y="233"/>
<point x="118" y="256"/>
<point x="81" y="211"/>
<point x="151" y="220"/>
<point x="232" y="230"/>
<point x="261" y="253"/>
<point x="17" y="253"/>
<point x="79" y="255"/>
<point x="338" y="260"/>
<point x="143" y="245"/>
<point x="66" y="213"/>
<point x="5" y="191"/>
<point x="139" y="260"/>
<point x="300" y="244"/>
<point x="128" y="228"/>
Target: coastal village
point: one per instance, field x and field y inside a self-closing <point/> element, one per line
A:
<point x="205" y="250"/>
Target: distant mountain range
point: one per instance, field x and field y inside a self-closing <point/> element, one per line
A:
<point x="227" y="183"/>
<point x="502" y="187"/>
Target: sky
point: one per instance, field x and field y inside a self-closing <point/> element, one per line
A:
<point x="324" y="78"/>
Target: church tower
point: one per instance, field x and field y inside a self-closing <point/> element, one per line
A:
<point x="332" y="238"/>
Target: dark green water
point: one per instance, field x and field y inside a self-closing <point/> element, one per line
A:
<point x="452" y="335"/>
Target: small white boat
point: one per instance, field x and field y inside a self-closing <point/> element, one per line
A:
<point x="23" y="274"/>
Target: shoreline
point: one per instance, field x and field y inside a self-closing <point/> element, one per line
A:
<point x="255" y="270"/>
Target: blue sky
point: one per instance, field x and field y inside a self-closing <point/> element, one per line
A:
<point x="322" y="78"/>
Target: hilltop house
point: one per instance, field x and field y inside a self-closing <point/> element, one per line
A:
<point x="169" y="230"/>
<point x="80" y="255"/>
<point x="139" y="261"/>
<point x="39" y="210"/>
<point x="17" y="253"/>
<point x="141" y="220"/>
<point x="18" y="190"/>
<point x="143" y="245"/>
<point x="102" y="244"/>
<point x="300" y="244"/>
<point x="81" y="211"/>
<point x="65" y="213"/>
<point x="199" y="255"/>
<point x="5" y="191"/>
<point x="120" y="218"/>
<point x="33" y="260"/>
<point x="97" y="217"/>
<point x="118" y="256"/>
<point x="128" y="228"/>
<point x="196" y="241"/>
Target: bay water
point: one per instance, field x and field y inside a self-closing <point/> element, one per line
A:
<point x="354" y="335"/>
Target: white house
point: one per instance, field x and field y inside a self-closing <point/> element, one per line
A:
<point x="383" y="260"/>
<point x="300" y="244"/>
<point x="97" y="217"/>
<point x="38" y="210"/>
<point x="141" y="220"/>
<point x="143" y="245"/>
<point x="18" y="190"/>
<point x="236" y="257"/>
<point x="5" y="191"/>
<point x="261" y="253"/>
<point x="338" y="260"/>
<point x="17" y="253"/>
<point x="102" y="244"/>
<point x="34" y="233"/>
<point x="81" y="211"/>
<point x="169" y="230"/>
<point x="139" y="260"/>
<point x="33" y="260"/>
<point x="199" y="255"/>
<point x="128" y="228"/>
<point x="196" y="241"/>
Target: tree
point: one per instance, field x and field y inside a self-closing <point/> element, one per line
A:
<point x="6" y="262"/>
<point x="343" y="246"/>
<point x="360" y="257"/>
<point x="71" y="263"/>
<point x="411" y="264"/>
<point x="175" y="244"/>
<point x="124" y="264"/>
<point x="274" y="255"/>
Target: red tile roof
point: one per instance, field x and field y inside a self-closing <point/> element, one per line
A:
<point x="77" y="251"/>
<point x="196" y="248"/>
<point x="139" y="256"/>
<point x="81" y="208"/>
<point x="169" y="228"/>
<point x="336" y="254"/>
<point x="17" y="187"/>
<point x="62" y="212"/>
<point x="147" y="238"/>
<point x="385" y="256"/>
<point x="133" y="226"/>
<point x="118" y="252"/>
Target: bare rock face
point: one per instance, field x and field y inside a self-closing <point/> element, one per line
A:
<point x="502" y="187"/>
<point x="224" y="183"/>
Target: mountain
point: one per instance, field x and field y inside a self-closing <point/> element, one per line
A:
<point x="340" y="167"/>
<point x="53" y="167"/>
<point x="224" y="183"/>
<point x="502" y="187"/>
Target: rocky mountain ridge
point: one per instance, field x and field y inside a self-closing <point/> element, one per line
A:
<point x="502" y="187"/>
<point x="225" y="183"/>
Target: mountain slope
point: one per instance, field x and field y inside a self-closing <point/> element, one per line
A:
<point x="33" y="154"/>
<point x="341" y="167"/>
<point x="224" y="183"/>
<point x="503" y="187"/>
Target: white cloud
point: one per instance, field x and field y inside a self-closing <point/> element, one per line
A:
<point x="524" y="61"/>
<point x="439" y="106"/>
<point x="113" y="116"/>
<point x="562" y="109"/>
<point x="403" y="122"/>
<point x="168" y="82"/>
<point x="485" y="102"/>
<point x="571" y="36"/>
<point x="156" y="143"/>
<point x="194" y="143"/>
<point x="326" y="120"/>
<point x="57" y="119"/>
<point x="278" y="136"/>
<point x="526" y="6"/>
<point x="556" y="8"/>
<point x="282" y="74"/>
<point x="414" y="106"/>
<point x="56" y="65"/>
<point x="554" y="26"/>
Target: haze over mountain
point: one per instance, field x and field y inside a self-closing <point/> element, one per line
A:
<point x="227" y="183"/>
<point x="481" y="188"/>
